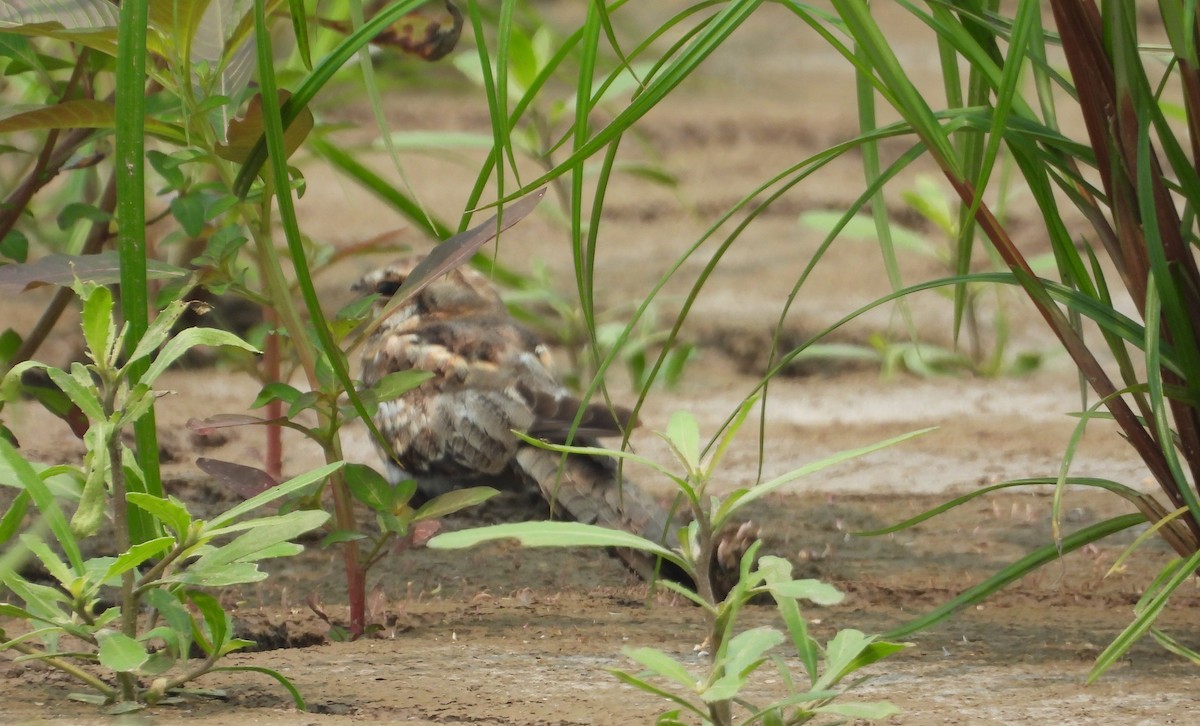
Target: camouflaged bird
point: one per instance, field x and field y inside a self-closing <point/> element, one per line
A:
<point x="492" y="376"/>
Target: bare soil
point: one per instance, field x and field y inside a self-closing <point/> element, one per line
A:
<point x="500" y="635"/>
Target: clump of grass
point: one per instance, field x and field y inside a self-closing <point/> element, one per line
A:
<point x="1134" y="178"/>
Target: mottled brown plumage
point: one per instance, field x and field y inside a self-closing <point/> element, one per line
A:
<point x="493" y="376"/>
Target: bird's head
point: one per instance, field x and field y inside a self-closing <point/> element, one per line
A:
<point x="462" y="291"/>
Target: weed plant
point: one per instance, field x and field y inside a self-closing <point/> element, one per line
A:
<point x="136" y="615"/>
<point x="717" y="696"/>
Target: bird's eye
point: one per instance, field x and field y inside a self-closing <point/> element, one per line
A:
<point x="387" y="288"/>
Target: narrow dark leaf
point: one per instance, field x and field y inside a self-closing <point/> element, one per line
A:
<point x="243" y="133"/>
<point x="247" y="481"/>
<point x="454" y="252"/>
<point x="208" y="425"/>
<point x="103" y="268"/>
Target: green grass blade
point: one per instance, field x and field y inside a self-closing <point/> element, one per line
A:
<point x="1174" y="646"/>
<point x="656" y="89"/>
<point x="1142" y="538"/>
<point x="1017" y="570"/>
<point x="584" y="251"/>
<point x="1145" y="619"/>
<point x="408" y="207"/>
<point x="290" y="687"/>
<point x="45" y="501"/>
<point x="1121" y="490"/>
<point x="315" y="81"/>
<point x="129" y="160"/>
<point x="766" y="488"/>
<point x="908" y="101"/>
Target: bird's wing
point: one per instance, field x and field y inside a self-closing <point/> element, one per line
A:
<point x="460" y="421"/>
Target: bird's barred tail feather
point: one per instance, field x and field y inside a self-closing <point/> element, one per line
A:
<point x="587" y="489"/>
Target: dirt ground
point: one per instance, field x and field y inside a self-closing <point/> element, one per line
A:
<point x="500" y="635"/>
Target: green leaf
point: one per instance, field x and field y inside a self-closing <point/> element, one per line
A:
<point x="1019" y="569"/>
<point x="369" y="487"/>
<point x="185" y="341"/>
<point x="238" y="573"/>
<point x="453" y="501"/>
<point x="263" y="534"/>
<point x="170" y="511"/>
<point x="93" y="500"/>
<point x="661" y="664"/>
<point x="291" y="485"/>
<point x="275" y="391"/>
<point x="12" y="611"/>
<point x="743" y="655"/>
<point x="86" y="398"/>
<point x="215" y="619"/>
<point x="338" y="536"/>
<point x="10" y="342"/>
<point x="97" y="322"/>
<point x="119" y="652"/>
<point x="158" y="331"/>
<point x="394" y="385"/>
<point x="655" y="690"/>
<point x="806" y="647"/>
<point x="51" y="561"/>
<point x="136" y="555"/>
<point x="139" y="401"/>
<point x="188" y="210"/>
<point x="872" y="711"/>
<point x="849" y="651"/>
<point x="167" y="166"/>
<point x="305" y="400"/>
<point x="10" y="523"/>
<point x="812" y="590"/>
<point x="24" y="475"/>
<point x="356" y="311"/>
<point x="684" y="436"/>
<point x="601" y="451"/>
<point x="731" y="430"/>
<point x="551" y="534"/>
<point x="863" y="227"/>
<point x="15" y="246"/>
<point x="177" y="617"/>
<point x="41" y="601"/>
<point x="76" y="211"/>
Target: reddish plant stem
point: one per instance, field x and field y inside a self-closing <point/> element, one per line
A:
<point x="272" y="371"/>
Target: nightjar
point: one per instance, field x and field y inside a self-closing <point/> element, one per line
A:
<point x="492" y="376"/>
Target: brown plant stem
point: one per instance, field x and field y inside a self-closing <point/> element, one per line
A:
<point x="49" y="160"/>
<point x="273" y="463"/>
<point x="343" y="512"/>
